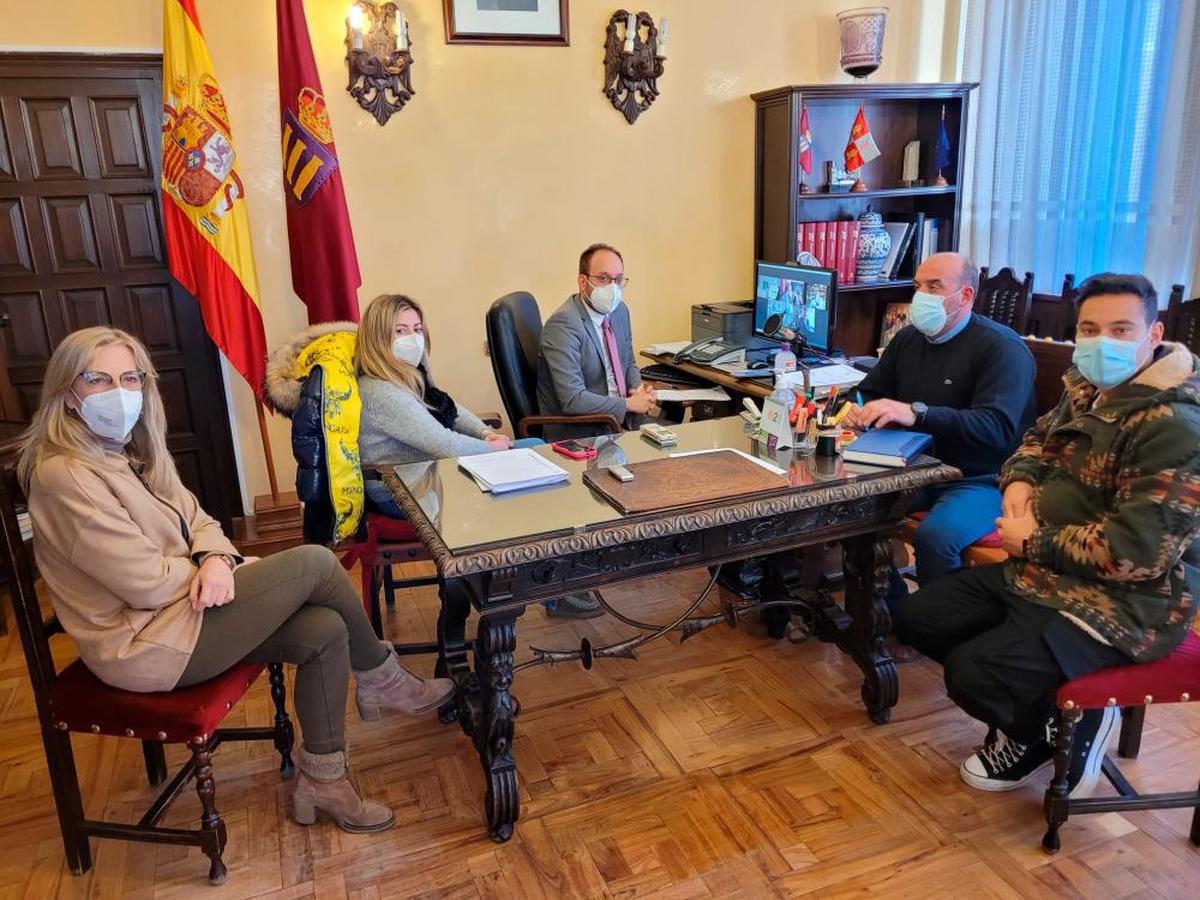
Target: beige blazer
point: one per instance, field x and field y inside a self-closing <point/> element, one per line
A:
<point x="118" y="561"/>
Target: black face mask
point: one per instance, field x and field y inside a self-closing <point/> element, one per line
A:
<point x="440" y="404"/>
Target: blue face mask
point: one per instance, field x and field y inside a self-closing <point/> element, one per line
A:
<point x="928" y="313"/>
<point x="1106" y="362"/>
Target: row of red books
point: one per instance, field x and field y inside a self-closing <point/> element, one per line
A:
<point x="834" y="244"/>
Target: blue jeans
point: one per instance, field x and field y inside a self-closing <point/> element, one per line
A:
<point x="960" y="513"/>
<point x="381" y="500"/>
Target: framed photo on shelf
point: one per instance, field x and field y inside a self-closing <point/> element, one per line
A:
<point x="532" y="22"/>
<point x="895" y="317"/>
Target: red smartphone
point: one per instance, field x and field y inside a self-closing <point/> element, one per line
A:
<point x="574" y="449"/>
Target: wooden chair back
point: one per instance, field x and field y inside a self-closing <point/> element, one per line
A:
<point x="1183" y="319"/>
<point x="19" y="570"/>
<point x="1004" y="299"/>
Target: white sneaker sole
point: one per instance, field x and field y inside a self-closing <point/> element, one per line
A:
<point x="996" y="786"/>
<point x="1095" y="761"/>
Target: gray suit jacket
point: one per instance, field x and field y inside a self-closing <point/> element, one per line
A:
<point x="571" y="375"/>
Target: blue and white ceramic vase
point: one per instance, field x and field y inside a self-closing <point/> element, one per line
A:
<point x="874" y="243"/>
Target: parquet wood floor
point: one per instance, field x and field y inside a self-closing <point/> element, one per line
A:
<point x="728" y="766"/>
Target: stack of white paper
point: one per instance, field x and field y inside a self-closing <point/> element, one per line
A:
<point x="671" y="347"/>
<point x="512" y="470"/>
<point x="716" y="394"/>
<point x="836" y="375"/>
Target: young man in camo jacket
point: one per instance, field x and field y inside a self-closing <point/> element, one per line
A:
<point x="1101" y="520"/>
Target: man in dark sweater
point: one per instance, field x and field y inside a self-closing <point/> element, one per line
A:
<point x="966" y="381"/>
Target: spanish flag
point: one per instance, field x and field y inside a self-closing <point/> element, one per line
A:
<point x="208" y="232"/>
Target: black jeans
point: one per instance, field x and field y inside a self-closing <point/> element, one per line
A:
<point x="1003" y="656"/>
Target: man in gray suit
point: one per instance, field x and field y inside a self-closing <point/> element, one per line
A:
<point x="586" y="364"/>
<point x="586" y="367"/>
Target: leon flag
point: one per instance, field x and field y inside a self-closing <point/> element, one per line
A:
<point x="324" y="265"/>
<point x="805" y="142"/>
<point x="861" y="148"/>
<point x="208" y="233"/>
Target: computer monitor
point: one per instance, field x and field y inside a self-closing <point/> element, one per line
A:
<point x="805" y="296"/>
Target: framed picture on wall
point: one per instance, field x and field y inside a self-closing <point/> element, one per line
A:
<point x="895" y="317"/>
<point x="534" y="22"/>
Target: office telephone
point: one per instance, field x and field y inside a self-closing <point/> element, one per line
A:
<point x="711" y="352"/>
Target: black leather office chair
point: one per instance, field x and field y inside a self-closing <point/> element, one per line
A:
<point x="514" y="333"/>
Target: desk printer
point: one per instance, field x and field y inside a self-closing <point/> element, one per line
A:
<point x="731" y="321"/>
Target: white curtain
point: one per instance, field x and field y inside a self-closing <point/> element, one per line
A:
<point x="1082" y="151"/>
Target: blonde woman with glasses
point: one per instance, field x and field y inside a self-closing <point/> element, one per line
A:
<point x="156" y="597"/>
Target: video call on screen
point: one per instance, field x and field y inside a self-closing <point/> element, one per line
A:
<point x="801" y="298"/>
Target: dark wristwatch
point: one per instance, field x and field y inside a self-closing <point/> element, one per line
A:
<point x="919" y="410"/>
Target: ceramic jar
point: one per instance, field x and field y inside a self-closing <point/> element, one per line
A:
<point x="874" y="244"/>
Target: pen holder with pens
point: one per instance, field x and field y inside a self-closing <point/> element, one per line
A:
<point x="806" y="437"/>
<point x="827" y="442"/>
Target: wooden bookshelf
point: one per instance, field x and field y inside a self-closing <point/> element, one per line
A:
<point x="897" y="114"/>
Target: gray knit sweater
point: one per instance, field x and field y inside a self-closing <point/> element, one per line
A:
<point x="397" y="428"/>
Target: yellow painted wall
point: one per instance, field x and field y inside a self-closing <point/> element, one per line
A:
<point x="509" y="160"/>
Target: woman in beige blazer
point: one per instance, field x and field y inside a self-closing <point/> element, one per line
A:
<point x="156" y="597"/>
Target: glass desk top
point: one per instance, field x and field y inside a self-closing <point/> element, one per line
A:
<point x="467" y="519"/>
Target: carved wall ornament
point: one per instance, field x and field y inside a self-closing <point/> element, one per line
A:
<point x="379" y="58"/>
<point x="632" y="66"/>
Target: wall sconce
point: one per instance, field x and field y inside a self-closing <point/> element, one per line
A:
<point x="379" y="57"/>
<point x="632" y="66"/>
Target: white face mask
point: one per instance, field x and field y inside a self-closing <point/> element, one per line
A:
<point x="111" y="414"/>
<point x="409" y="348"/>
<point x="606" y="298"/>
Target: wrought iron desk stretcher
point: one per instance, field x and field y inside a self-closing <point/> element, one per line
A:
<point x="500" y="553"/>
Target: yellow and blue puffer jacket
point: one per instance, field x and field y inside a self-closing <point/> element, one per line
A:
<point x="311" y="379"/>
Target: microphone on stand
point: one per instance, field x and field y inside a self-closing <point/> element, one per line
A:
<point x="774" y="327"/>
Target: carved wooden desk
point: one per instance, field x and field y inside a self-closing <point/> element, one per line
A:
<point x="500" y="553"/>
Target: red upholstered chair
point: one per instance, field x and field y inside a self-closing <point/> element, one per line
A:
<point x="1173" y="679"/>
<point x="74" y="700"/>
<point x="382" y="543"/>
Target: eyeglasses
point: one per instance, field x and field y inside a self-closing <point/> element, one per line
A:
<point x="131" y="381"/>
<point x="605" y="280"/>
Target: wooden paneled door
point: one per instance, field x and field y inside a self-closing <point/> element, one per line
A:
<point x="81" y="243"/>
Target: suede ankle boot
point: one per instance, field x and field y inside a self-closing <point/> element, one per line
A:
<point x="391" y="686"/>
<point x="324" y="785"/>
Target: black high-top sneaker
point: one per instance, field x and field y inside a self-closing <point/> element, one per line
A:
<point x="1095" y="729"/>
<point x="1003" y="764"/>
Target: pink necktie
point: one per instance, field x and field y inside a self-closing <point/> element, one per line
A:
<point x="614" y="356"/>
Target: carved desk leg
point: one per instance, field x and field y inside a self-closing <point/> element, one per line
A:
<point x="452" y="651"/>
<point x="867" y="561"/>
<point x="495" y="644"/>
<point x="783" y="581"/>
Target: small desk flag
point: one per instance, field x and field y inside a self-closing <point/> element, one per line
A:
<point x="941" y="154"/>
<point x="805" y="142"/>
<point x="861" y="148"/>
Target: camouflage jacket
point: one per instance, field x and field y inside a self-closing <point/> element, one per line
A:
<point x="1117" y="501"/>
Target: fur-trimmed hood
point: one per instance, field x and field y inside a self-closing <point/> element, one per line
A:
<point x="282" y="383"/>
